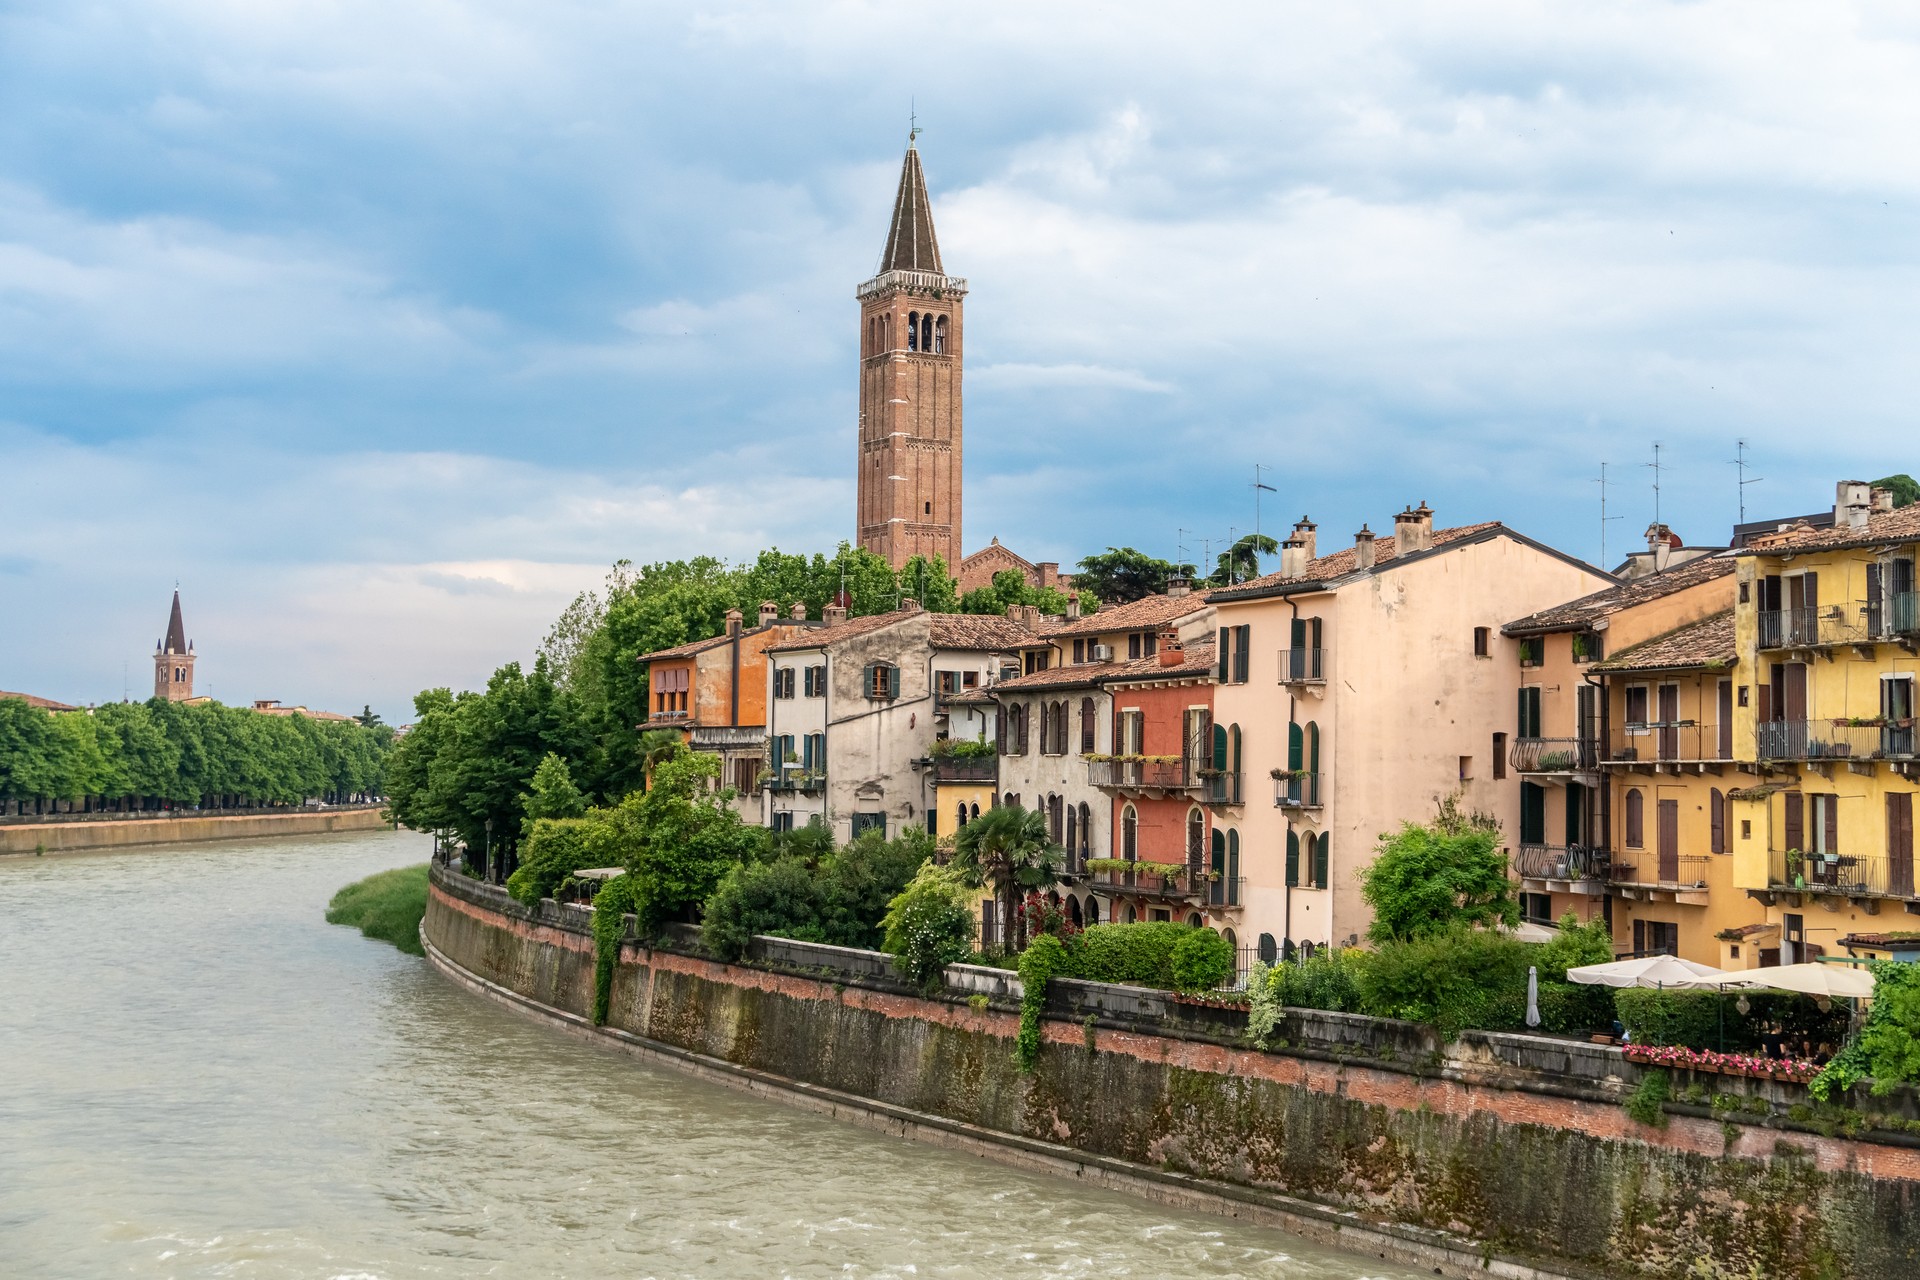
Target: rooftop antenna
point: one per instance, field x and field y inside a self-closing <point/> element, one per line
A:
<point x="1258" y="487"/>
<point x="1740" y="461"/>
<point x="1604" y="517"/>
<point x="1655" y="464"/>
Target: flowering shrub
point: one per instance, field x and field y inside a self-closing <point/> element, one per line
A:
<point x="1733" y="1064"/>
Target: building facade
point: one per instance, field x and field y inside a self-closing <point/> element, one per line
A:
<point x="911" y="355"/>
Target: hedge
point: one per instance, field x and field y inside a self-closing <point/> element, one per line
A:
<point x="1712" y="1020"/>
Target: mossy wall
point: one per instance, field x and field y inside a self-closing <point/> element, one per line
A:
<point x="1561" y="1180"/>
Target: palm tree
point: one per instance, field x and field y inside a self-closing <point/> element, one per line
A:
<point x="1241" y="561"/>
<point x="657" y="746"/>
<point x="1008" y="849"/>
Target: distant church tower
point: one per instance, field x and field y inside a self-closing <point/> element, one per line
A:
<point x="173" y="660"/>
<point x="910" y="353"/>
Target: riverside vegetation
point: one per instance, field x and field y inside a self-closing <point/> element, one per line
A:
<point x="387" y="906"/>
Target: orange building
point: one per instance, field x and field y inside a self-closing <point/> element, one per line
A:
<point x="714" y="692"/>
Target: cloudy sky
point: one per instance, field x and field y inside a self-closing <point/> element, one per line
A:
<point x="383" y="326"/>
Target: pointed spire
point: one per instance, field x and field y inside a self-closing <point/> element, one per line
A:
<point x="176" y="641"/>
<point x="910" y="242"/>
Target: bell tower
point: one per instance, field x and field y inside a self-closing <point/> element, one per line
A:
<point x="173" y="660"/>
<point x="910" y="361"/>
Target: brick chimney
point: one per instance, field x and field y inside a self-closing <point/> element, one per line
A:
<point x="799" y="611"/>
<point x="734" y="617"/>
<point x="1363" y="548"/>
<point x="1413" y="530"/>
<point x="1177" y="587"/>
<point x="1304" y="530"/>
<point x="1293" y="556"/>
<point x="909" y="605"/>
<point x="834" y="614"/>
<point x="1073" y="606"/>
<point x="1852" y="501"/>
<point x="769" y="613"/>
<point x="1660" y="546"/>
<point x="1880" y="501"/>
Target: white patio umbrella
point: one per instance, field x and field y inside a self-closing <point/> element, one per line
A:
<point x="1533" y="995"/>
<point x="1812" y="979"/>
<point x="1645" y="971"/>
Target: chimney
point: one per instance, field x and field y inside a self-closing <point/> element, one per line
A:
<point x="1852" y="501"/>
<point x="733" y="622"/>
<point x="1304" y="531"/>
<point x="1293" y="556"/>
<point x="1880" y="501"/>
<point x="799" y="611"/>
<point x="909" y="605"/>
<point x="1027" y="615"/>
<point x="1660" y="546"/>
<point x="769" y="613"/>
<point x="1172" y="653"/>
<point x="1073" y="606"/>
<point x="1363" y="548"/>
<point x="834" y="614"/>
<point x="1413" y="530"/>
<point x="1178" y="586"/>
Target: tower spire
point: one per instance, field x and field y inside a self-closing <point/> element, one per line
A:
<point x="176" y="629"/>
<point x="911" y="245"/>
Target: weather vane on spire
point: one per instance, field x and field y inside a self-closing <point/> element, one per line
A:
<point x="913" y="121"/>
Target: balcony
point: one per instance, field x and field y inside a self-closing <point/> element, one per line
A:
<point x="1222" y="788"/>
<point x="1173" y="881"/>
<point x="1227" y="891"/>
<point x="1817" y="628"/>
<point x="804" y="781"/>
<point x="1643" y="868"/>
<point x="1826" y="741"/>
<point x="1841" y="875"/>
<point x="1901" y="615"/>
<point x="1141" y="773"/>
<point x="1553" y="755"/>
<point x="1302" y="666"/>
<point x="1669" y="742"/>
<point x="957" y="769"/>
<point x="1297" y="791"/>
<point x="1571" y="864"/>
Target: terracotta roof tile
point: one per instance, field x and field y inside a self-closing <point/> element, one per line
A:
<point x="825" y="636"/>
<point x="1135" y="615"/>
<point x="1198" y="661"/>
<point x="1707" y="643"/>
<point x="1073" y="675"/>
<point x="1341" y="563"/>
<point x="686" y="650"/>
<point x="1902" y="524"/>
<point x="983" y="631"/>
<point x="1576" y="614"/>
<point x="45" y="704"/>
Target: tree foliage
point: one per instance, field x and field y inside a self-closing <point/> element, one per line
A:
<point x="1119" y="575"/>
<point x="1906" y="490"/>
<point x="1430" y="879"/>
<point x="1010" y="587"/>
<point x="1241" y="561"/>
<point x="143" y="754"/>
<point x="1008" y="849"/>
<point x="929" y="924"/>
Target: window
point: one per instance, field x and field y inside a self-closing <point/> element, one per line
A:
<point x="864" y="822"/>
<point x="1717" y="821"/>
<point x="744" y="775"/>
<point x="1636" y="819"/>
<point x="1741" y="692"/>
<point x="1656" y="937"/>
<point x="1466" y="768"/>
<point x="1234" y="643"/>
<point x="1823" y="835"/>
<point x="882" y="682"/>
<point x="1233" y="868"/>
<point x="783" y="682"/>
<point x="1499" y="756"/>
<point x="1745" y="593"/>
<point x="1533" y="813"/>
<point x="1056" y="812"/>
<point x="1133" y="644"/>
<point x="1533" y="651"/>
<point x="1537" y="908"/>
<point x="1079" y="652"/>
<point x="929" y="508"/>
<point x="1196" y="838"/>
<point x="1530" y="712"/>
<point x="1639" y="699"/>
<point x="1129" y="834"/>
<point x="815" y="683"/>
<point x="1089" y="726"/>
<point x="913" y="330"/>
<point x="1588" y="646"/>
<point x="1293" y="858"/>
<point x="783" y="822"/>
<point x="1483" y="642"/>
<point x="940" y="336"/>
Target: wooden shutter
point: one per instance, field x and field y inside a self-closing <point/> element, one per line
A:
<point x="1219" y="853"/>
<point x="1320" y="855"/>
<point x="1294" y="747"/>
<point x="1717" y="818"/>
<point x="1830" y="824"/>
<point x="1293" y="858"/>
<point x="1667" y="815"/>
<point x="1796" y="821"/>
<point x="1636" y="819"/>
<point x="1242" y="641"/>
<point x="1220" y="747"/>
<point x="1900" y="843"/>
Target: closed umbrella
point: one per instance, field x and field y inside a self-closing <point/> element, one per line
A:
<point x="1533" y="995"/>
<point x="1644" y="971"/>
<point x="1813" y="979"/>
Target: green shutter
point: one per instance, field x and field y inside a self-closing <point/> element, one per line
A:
<point x="893" y="682"/>
<point x="1293" y="858"/>
<point x="1220" y="747"/>
<point x="1219" y="853"/>
<point x="1220" y="656"/>
<point x="1320" y="861"/>
<point x="1294" y="740"/>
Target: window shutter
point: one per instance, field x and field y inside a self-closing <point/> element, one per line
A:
<point x="1320" y="860"/>
<point x="1636" y="820"/>
<point x="1830" y="810"/>
<point x="1220" y="657"/>
<point x="866" y="678"/>
<point x="893" y="682"/>
<point x="1796" y="820"/>
<point x="1243" y="639"/>
<point x="1293" y="859"/>
<point x="1293" y="747"/>
<point x="1220" y="747"/>
<point x="1717" y="816"/>
<point x="1219" y="853"/>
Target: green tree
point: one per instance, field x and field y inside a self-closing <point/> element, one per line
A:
<point x="1241" y="561"/>
<point x="929" y="923"/>
<point x="1429" y="879"/>
<point x="1009" y="850"/>
<point x="928" y="581"/>
<point x="676" y="839"/>
<point x="552" y="794"/>
<point x="781" y="898"/>
<point x="1906" y="490"/>
<point x="1121" y="574"/>
<point x="368" y="717"/>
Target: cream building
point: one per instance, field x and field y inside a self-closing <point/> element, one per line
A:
<point x="1366" y="685"/>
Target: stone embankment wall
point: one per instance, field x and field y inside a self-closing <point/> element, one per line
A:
<point x="55" y="837"/>
<point x="1498" y="1155"/>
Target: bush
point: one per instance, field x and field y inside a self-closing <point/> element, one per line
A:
<point x="1201" y="961"/>
<point x="1043" y="958"/>
<point x="1138" y="954"/>
<point x="1576" y="944"/>
<point x="1263" y="1004"/>
<point x="1450" y="981"/>
<point x="928" y="925"/>
<point x="1433" y="879"/>
<point x="1888" y="1050"/>
<point x="1326" y="980"/>
<point x="1648" y="1102"/>
<point x="857" y="883"/>
<point x="1712" y="1020"/>
<point x="617" y="899"/>
<point x="779" y="897"/>
<point x="387" y="905"/>
<point x="555" y="848"/>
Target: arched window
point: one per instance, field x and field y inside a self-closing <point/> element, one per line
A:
<point x="1193" y="920"/>
<point x="1129" y="834"/>
<point x="1093" y="910"/>
<point x="1054" y="825"/>
<point x="1269" y="949"/>
<point x="1233" y="868"/>
<point x="1636" y="819"/>
<point x="1196" y="837"/>
<point x="1073" y="836"/>
<point x="1133" y="917"/>
<point x="1309" y="850"/>
<point x="1233" y="748"/>
<point x="1073" y="913"/>
<point x="1088" y="723"/>
<point x="1217" y="884"/>
<point x="1060" y="728"/>
<point x="913" y="330"/>
<point x="963" y="814"/>
<point x="1086" y="833"/>
<point x="1322" y="855"/>
<point x="1717" y="822"/>
<point x="926" y="332"/>
<point x="1232" y="941"/>
<point x="975" y="812"/>
<point x="940" y="336"/>
<point x="1313" y="747"/>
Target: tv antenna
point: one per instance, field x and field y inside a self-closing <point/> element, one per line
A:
<point x="1604" y="517"/>
<point x="1740" y="461"/>
<point x="1259" y="487"/>
<point x="1655" y="464"/>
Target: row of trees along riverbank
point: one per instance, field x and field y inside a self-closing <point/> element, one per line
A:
<point x="132" y="757"/>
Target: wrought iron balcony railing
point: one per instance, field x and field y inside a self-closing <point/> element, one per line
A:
<point x="966" y="768"/>
<point x="1222" y="787"/>
<point x="1140" y="774"/>
<point x="1669" y="740"/>
<point x="1813" y="628"/>
<point x="1179" y="881"/>
<point x="1226" y="891"/>
<point x="801" y="780"/>
<point x="1561" y="862"/>
<point x="1297" y="791"/>
<point x="1646" y="868"/>
<point x="1823" y="740"/>
<point x="1303" y="666"/>
<point x="1553" y="755"/>
<point x="1843" y="874"/>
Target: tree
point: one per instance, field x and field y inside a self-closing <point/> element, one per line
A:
<point x="1241" y="561"/>
<point x="1906" y="490"/>
<point x="927" y="581"/>
<point x="1426" y="880"/>
<point x="368" y="717"/>
<point x="928" y="924"/>
<point x="552" y="794"/>
<point x="1010" y="587"/>
<point x="676" y="839"/>
<point x="1007" y="849"/>
<point x="1121" y="574"/>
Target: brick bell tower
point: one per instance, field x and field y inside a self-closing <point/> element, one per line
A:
<point x="910" y="354"/>
<point x="173" y="660"/>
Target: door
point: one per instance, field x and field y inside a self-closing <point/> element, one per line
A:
<point x="1790" y="705"/>
<point x="1669" y="841"/>
<point x="1724" y="743"/>
<point x="1900" y="843"/>
<point x="1669" y="713"/>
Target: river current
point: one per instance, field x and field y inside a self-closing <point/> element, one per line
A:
<point x="199" y="1077"/>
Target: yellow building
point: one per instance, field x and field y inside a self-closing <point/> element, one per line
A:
<point x="1827" y="628"/>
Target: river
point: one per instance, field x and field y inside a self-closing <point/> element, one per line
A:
<point x="200" y="1077"/>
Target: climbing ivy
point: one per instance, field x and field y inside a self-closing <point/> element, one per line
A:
<point x="611" y="906"/>
<point x="1042" y="959"/>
